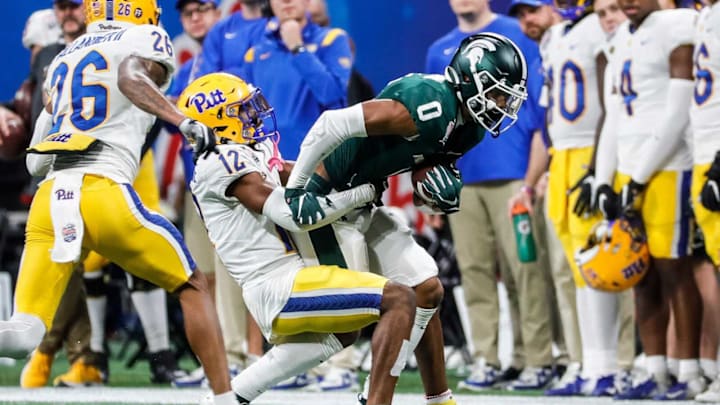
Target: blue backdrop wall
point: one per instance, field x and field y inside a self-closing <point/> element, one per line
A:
<point x="391" y="35"/>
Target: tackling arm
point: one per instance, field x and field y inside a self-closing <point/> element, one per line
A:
<point x="139" y="80"/>
<point x="263" y="198"/>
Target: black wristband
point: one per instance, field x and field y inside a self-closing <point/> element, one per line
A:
<point x="298" y="49"/>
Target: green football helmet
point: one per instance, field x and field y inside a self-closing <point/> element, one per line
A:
<point x="488" y="73"/>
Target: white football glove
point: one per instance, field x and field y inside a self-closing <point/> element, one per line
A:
<point x="200" y="136"/>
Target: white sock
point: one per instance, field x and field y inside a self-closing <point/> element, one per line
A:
<point x="96" y="312"/>
<point x="673" y="366"/>
<point x="20" y="335"/>
<point x="152" y="310"/>
<point x="709" y="368"/>
<point x="657" y="366"/>
<point x="422" y="318"/>
<point x="439" y="399"/>
<point x="227" y="398"/>
<point x="688" y="369"/>
<point x="599" y="329"/>
<point x="283" y="361"/>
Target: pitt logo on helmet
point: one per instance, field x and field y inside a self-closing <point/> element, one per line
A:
<point x="235" y="110"/>
<point x="202" y="101"/>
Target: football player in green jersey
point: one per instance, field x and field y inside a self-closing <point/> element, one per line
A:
<point x="417" y="121"/>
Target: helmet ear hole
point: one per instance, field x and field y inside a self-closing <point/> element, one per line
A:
<point x="451" y="75"/>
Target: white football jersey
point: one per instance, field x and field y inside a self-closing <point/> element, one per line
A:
<point x="641" y="69"/>
<point x="570" y="65"/>
<point x="705" y="109"/>
<point x="260" y="255"/>
<point x="82" y="83"/>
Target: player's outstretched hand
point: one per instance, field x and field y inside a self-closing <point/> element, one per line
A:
<point x="304" y="205"/>
<point x="585" y="202"/>
<point x="200" y="136"/>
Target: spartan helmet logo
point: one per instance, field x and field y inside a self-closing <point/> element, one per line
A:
<point x="475" y="51"/>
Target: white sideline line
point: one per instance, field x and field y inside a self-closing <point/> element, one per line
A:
<point x="10" y="395"/>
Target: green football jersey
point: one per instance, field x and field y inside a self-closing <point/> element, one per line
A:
<point x="440" y="139"/>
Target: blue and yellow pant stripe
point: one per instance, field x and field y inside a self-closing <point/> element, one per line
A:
<point x="117" y="226"/>
<point x="330" y="299"/>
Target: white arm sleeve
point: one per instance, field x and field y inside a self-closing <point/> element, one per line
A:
<point x="341" y="203"/>
<point x="329" y="131"/>
<point x="670" y="131"/>
<point x="37" y="164"/>
<point x="606" y="156"/>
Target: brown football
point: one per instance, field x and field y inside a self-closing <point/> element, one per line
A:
<point x="16" y="140"/>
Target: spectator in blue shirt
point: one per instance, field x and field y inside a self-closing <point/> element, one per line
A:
<point x="226" y="43"/>
<point x="302" y="68"/>
<point x="196" y="17"/>
<point x="492" y="172"/>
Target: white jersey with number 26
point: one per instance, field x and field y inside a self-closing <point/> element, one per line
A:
<point x="82" y="83"/>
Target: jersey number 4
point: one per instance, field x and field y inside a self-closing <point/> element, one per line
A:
<point x="82" y="93"/>
<point x="626" y="89"/>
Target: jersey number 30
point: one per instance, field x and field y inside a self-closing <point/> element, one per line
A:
<point x="82" y="93"/>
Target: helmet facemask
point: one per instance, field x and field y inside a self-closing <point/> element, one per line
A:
<point x="256" y="116"/>
<point x="494" y="105"/>
<point x="488" y="73"/>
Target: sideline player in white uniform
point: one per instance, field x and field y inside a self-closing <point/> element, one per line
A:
<point x="104" y="90"/>
<point x="574" y="62"/>
<point x="705" y="120"/>
<point x="644" y="138"/>
<point x="309" y="312"/>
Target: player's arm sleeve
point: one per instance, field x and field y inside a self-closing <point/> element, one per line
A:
<point x="38" y="164"/>
<point x="335" y="206"/>
<point x="329" y="131"/>
<point x="606" y="157"/>
<point x="327" y="71"/>
<point x="669" y="132"/>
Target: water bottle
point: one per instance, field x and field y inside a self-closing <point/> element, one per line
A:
<point x="523" y="233"/>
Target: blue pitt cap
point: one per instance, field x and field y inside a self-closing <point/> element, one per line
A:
<point x="532" y="3"/>
<point x="179" y="4"/>
<point x="78" y="2"/>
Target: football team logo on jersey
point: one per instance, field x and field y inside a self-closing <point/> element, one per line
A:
<point x="203" y="101"/>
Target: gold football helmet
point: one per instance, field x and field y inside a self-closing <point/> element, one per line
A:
<point x="616" y="256"/>
<point x="235" y="110"/>
<point x="136" y="12"/>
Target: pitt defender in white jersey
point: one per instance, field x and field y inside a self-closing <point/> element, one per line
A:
<point x="641" y="67"/>
<point x="310" y="312"/>
<point x="89" y="66"/>
<point x="705" y="119"/>
<point x="104" y="92"/>
<point x="574" y="61"/>
<point x="645" y="138"/>
<point x="571" y="51"/>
